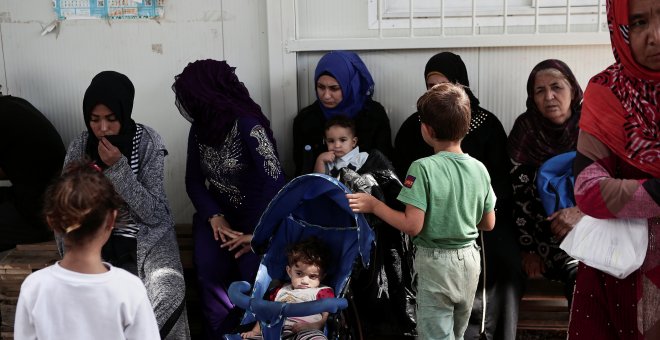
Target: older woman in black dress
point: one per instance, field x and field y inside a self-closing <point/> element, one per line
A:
<point x="548" y="128"/>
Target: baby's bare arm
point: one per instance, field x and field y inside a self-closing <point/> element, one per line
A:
<point x="326" y="157"/>
<point x="301" y="326"/>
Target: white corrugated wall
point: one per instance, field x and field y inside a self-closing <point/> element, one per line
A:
<point x="53" y="71"/>
<point x="498" y="76"/>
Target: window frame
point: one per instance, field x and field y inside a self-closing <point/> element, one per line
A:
<point x="449" y="14"/>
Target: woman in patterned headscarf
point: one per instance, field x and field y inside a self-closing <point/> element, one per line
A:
<point x="548" y="128"/>
<point x="485" y="141"/>
<point x="132" y="156"/>
<point x="343" y="87"/>
<point x="230" y="146"/>
<point x="617" y="174"/>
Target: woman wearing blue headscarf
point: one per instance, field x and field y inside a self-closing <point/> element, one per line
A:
<point x="343" y="87"/>
<point x="383" y="292"/>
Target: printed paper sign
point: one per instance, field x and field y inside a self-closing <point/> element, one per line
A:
<point x="108" y="9"/>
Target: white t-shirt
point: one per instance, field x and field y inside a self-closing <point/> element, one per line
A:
<point x="56" y="303"/>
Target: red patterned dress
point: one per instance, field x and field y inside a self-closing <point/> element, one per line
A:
<point x="618" y="171"/>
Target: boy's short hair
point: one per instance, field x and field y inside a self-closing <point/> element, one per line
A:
<point x="342" y="121"/>
<point x="310" y="251"/>
<point x="445" y="108"/>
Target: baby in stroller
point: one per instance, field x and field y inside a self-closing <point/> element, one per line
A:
<point x="310" y="206"/>
<point x="306" y="269"/>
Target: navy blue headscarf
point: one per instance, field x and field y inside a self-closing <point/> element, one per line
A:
<point x="353" y="78"/>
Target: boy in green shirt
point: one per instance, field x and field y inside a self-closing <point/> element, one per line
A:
<point x="448" y="197"/>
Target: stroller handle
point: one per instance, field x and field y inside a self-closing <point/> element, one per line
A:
<point x="270" y="310"/>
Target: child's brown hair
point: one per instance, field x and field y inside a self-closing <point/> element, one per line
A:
<point x="445" y="108"/>
<point x="310" y="251"/>
<point x="341" y="121"/>
<point x="78" y="203"/>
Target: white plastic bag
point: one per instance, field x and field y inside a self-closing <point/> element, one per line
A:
<point x="614" y="246"/>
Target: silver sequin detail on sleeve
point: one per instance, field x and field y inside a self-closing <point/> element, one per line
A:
<point x="477" y="119"/>
<point x="221" y="165"/>
<point x="265" y="149"/>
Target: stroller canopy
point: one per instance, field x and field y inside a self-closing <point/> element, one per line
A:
<point x="313" y="205"/>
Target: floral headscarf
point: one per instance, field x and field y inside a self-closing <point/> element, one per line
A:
<point x="634" y="109"/>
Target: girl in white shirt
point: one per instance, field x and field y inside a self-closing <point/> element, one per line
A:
<point x="82" y="297"/>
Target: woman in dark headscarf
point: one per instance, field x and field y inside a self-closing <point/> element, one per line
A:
<point x="383" y="293"/>
<point x="617" y="171"/>
<point x="343" y="87"/>
<point x="29" y="161"/>
<point x="485" y="141"/>
<point x="548" y="128"/>
<point x="230" y="146"/>
<point x="132" y="156"/>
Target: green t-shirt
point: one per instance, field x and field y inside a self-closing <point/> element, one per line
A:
<point x="454" y="191"/>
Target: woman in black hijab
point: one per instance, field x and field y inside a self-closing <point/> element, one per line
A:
<point x="485" y="141"/>
<point x="132" y="156"/>
<point x="116" y="92"/>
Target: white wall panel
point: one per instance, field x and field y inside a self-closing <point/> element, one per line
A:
<point x="498" y="76"/>
<point x="333" y="19"/>
<point x="503" y="73"/>
<point x="325" y="25"/>
<point x="282" y="76"/>
<point x="53" y="71"/>
<point x="244" y="37"/>
<point x="398" y="76"/>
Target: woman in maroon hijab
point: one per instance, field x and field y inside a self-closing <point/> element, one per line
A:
<point x="548" y="128"/>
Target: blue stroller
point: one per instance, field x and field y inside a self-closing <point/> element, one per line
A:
<point x="309" y="205"/>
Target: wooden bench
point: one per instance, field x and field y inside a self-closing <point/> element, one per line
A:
<point x="185" y="241"/>
<point x="543" y="307"/>
<point x="15" y="266"/>
<point x="193" y="305"/>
